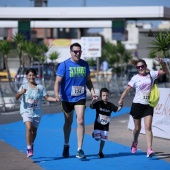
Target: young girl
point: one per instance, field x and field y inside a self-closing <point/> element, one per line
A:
<point x="31" y="107"/>
<point x="104" y="109"/>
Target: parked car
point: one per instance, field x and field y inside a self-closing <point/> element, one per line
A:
<point x="20" y="77"/>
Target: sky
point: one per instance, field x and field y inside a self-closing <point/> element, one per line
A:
<point x="77" y="3"/>
<point x="89" y="3"/>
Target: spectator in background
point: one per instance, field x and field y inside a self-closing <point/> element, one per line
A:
<point x="104" y="66"/>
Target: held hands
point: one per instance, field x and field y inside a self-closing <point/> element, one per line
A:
<point x="95" y="96"/>
<point x="119" y="108"/>
<point x="94" y="100"/>
<point x="120" y="103"/>
<point x="58" y="98"/>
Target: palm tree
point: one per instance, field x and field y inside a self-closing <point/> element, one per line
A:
<point x="42" y="57"/>
<point x="31" y="49"/>
<point x="19" y="41"/>
<point x="5" y="48"/>
<point x="123" y="55"/>
<point x="109" y="53"/>
<point x="53" y="56"/>
<point x="116" y="54"/>
<point x="161" y="45"/>
<point x="43" y="49"/>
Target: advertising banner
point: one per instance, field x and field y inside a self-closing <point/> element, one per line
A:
<point x="62" y="46"/>
<point x="91" y="46"/>
<point x="161" y="118"/>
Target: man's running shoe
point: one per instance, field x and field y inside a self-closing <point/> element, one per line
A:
<point x="150" y="153"/>
<point x="29" y="152"/>
<point x="80" y="154"/>
<point x="134" y="147"/>
<point x="66" y="151"/>
<point x="100" y="154"/>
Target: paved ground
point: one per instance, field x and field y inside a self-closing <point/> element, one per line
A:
<point x="120" y="134"/>
<point x="11" y="158"/>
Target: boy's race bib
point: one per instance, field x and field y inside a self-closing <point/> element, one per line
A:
<point x="103" y="119"/>
<point x="77" y="90"/>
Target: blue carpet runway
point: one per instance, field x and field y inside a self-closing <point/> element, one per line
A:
<point x="49" y="145"/>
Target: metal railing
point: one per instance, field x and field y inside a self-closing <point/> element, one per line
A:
<point x="116" y="85"/>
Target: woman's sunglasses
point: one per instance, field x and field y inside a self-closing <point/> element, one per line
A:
<point x="142" y="66"/>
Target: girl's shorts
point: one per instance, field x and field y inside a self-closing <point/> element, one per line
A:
<point x="100" y="135"/>
<point x="28" y="118"/>
<point x="139" y="111"/>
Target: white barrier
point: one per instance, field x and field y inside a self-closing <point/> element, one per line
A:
<point x="8" y="101"/>
<point x="161" y="118"/>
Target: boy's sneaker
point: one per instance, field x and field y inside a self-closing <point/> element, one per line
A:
<point x="100" y="154"/>
<point x="134" y="147"/>
<point x="150" y="153"/>
<point x="80" y="154"/>
<point x="32" y="147"/>
<point x="93" y="135"/>
<point x="66" y="151"/>
<point x="29" y="152"/>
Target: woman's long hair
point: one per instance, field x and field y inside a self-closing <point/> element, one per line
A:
<point x="134" y="62"/>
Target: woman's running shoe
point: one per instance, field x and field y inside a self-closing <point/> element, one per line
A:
<point x="150" y="153"/>
<point x="134" y="147"/>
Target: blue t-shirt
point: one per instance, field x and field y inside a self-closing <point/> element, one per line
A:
<point x="73" y="85"/>
<point x="31" y="101"/>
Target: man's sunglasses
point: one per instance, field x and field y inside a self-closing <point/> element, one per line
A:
<point x="77" y="51"/>
<point x="142" y="66"/>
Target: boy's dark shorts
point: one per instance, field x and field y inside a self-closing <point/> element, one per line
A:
<point x="139" y="111"/>
<point x="68" y="107"/>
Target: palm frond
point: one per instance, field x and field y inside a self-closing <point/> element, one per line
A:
<point x="161" y="43"/>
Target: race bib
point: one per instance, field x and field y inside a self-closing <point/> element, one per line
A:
<point x="103" y="119"/>
<point x="33" y="104"/>
<point x="144" y="96"/>
<point x="77" y="90"/>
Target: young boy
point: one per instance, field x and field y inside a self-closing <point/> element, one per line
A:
<point x="104" y="109"/>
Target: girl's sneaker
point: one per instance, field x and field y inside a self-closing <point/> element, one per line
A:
<point x="150" y="153"/>
<point x="29" y="152"/>
<point x="134" y="147"/>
